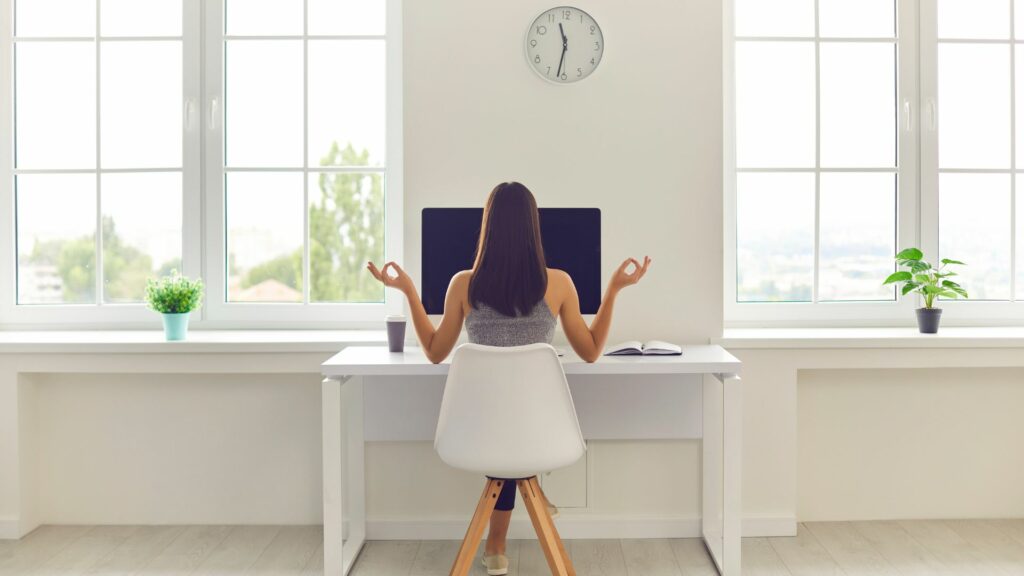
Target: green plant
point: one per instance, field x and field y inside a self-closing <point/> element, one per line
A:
<point x="174" y="294"/>
<point x="927" y="280"/>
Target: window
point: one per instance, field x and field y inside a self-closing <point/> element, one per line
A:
<point x="857" y="129"/>
<point x="275" y="185"/>
<point x="975" y="159"/>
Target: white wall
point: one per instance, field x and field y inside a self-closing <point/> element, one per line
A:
<point x="640" y="139"/>
<point x="927" y="443"/>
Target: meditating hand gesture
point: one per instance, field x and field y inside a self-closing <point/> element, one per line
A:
<point x="400" y="280"/>
<point x="621" y="278"/>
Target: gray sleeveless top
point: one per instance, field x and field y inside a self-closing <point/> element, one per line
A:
<point x="487" y="326"/>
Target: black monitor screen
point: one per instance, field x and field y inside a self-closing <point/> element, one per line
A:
<point x="572" y="242"/>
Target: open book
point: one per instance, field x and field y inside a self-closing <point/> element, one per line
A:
<point x="649" y="348"/>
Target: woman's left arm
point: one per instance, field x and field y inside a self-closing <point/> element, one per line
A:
<point x="438" y="342"/>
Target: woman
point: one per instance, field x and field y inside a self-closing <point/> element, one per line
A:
<point x="510" y="298"/>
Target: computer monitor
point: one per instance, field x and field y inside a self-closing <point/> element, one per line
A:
<point x="572" y="242"/>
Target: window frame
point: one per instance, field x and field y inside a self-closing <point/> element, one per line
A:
<point x="805" y="314"/>
<point x="963" y="312"/>
<point x="202" y="214"/>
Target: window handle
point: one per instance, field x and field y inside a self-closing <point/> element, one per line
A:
<point x="214" y="104"/>
<point x="189" y="107"/>
<point x="933" y="115"/>
<point x="908" y="123"/>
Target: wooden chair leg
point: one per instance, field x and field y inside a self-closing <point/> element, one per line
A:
<point x="550" y="542"/>
<point x="551" y="522"/>
<point x="484" y="508"/>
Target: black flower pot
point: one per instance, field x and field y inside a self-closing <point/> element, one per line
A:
<point x="928" y="320"/>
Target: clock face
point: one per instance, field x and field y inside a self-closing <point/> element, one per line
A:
<point x="564" y="44"/>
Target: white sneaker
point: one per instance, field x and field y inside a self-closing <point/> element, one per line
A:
<point x="496" y="565"/>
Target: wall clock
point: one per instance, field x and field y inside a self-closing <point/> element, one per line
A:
<point x="564" y="45"/>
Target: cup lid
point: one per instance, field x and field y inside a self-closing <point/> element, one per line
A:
<point x="395" y="318"/>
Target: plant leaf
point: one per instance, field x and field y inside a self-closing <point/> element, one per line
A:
<point x="932" y="289"/>
<point x="909" y="287"/>
<point x="919" y="266"/>
<point x="910" y="254"/>
<point x="950" y="284"/>
<point x="898" y="277"/>
<point x="948" y="261"/>
<point x="923" y="279"/>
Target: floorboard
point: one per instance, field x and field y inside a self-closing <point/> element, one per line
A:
<point x="883" y="548"/>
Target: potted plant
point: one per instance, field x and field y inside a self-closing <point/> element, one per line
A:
<point x="174" y="297"/>
<point x="928" y="281"/>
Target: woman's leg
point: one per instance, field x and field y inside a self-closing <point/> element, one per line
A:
<point x="500" y="519"/>
<point x="498" y="533"/>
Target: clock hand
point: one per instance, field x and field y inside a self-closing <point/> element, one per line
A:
<point x="565" y="46"/>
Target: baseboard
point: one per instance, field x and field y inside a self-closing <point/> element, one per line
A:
<point x="574" y="526"/>
<point x="10" y="528"/>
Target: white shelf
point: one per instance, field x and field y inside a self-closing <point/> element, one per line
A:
<point x="199" y="341"/>
<point x="951" y="337"/>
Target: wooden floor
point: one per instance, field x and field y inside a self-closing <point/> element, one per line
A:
<point x="948" y="548"/>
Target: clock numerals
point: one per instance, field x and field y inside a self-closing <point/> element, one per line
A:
<point x="562" y="40"/>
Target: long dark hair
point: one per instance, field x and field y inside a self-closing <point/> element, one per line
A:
<point x="510" y="273"/>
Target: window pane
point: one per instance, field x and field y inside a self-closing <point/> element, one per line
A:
<point x="858" y="236"/>
<point x="858" y="105"/>
<point x="1018" y="18"/>
<point x="56" y="216"/>
<point x="775" y="104"/>
<point x="1020" y="241"/>
<point x="141" y="104"/>
<point x="1019" y="78"/>
<point x="263" y="17"/>
<point x="263" y="114"/>
<point x="774" y="18"/>
<point x="774" y="237"/>
<point x="348" y="17"/>
<point x="141" y="231"/>
<point x="346" y="229"/>
<point x="55" y="104"/>
<point x="140" y="17"/>
<point x="974" y="227"/>
<point x="346" y="102"/>
<point x="265" y="229"/>
<point x="55" y="18"/>
<point x="974" y="18"/>
<point x="974" y="106"/>
<point x="857" y="18"/>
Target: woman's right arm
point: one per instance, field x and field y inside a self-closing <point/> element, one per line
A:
<point x="589" y="341"/>
<point x="438" y="342"/>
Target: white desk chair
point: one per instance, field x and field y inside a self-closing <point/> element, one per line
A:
<point x="507" y="413"/>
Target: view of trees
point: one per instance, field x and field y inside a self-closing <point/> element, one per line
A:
<point x="346" y="228"/>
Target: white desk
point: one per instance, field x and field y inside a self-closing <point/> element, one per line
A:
<point x="348" y="371"/>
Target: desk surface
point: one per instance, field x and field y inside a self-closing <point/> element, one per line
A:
<point x="377" y="361"/>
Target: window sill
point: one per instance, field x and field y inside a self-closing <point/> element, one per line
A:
<point x="796" y="338"/>
<point x="198" y="342"/>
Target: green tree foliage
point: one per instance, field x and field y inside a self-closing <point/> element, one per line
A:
<point x="126" y="268"/>
<point x="346" y="229"/>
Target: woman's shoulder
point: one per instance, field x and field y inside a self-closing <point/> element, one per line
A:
<point x="460" y="281"/>
<point x="558" y="276"/>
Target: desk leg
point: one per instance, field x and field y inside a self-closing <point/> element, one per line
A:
<point x="722" y="457"/>
<point x="344" y="475"/>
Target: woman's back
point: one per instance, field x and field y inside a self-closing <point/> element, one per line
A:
<point x="487" y="326"/>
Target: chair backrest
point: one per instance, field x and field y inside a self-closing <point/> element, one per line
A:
<point x="507" y="412"/>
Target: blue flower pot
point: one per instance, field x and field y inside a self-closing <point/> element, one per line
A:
<point x="175" y="326"/>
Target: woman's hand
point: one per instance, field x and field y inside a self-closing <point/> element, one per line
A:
<point x="400" y="280"/>
<point x="621" y="278"/>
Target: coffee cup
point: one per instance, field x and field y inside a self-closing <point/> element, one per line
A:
<point x="396" y="333"/>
